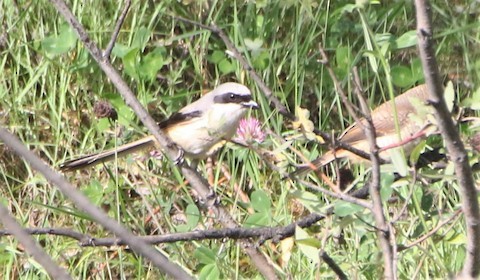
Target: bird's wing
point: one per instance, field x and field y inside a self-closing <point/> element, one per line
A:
<point x="179" y="118"/>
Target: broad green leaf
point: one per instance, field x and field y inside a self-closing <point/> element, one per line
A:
<point x="130" y="63"/>
<point x="193" y="215"/>
<point x="417" y="69"/>
<point x="253" y="45"/>
<point x="61" y="43"/>
<point x="152" y="63"/>
<point x="308" y="245"/>
<point x="225" y="66"/>
<point x="261" y="61"/>
<point x="309" y="200"/>
<point x="210" y="271"/>
<point x="258" y="219"/>
<point x="398" y="161"/>
<point x="217" y="56"/>
<point x="120" y="50"/>
<point x="402" y="76"/>
<point x="260" y="201"/>
<point x="458" y="239"/>
<point x="141" y="38"/>
<point x="205" y="255"/>
<point x="417" y="151"/>
<point x="343" y="208"/>
<point x="408" y="39"/>
<point x="386" y="182"/>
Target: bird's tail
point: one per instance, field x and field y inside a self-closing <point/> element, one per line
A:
<point x="93" y="159"/>
<point x="315" y="164"/>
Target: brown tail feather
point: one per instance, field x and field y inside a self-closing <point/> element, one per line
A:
<point x="93" y="159"/>
<point x="317" y="163"/>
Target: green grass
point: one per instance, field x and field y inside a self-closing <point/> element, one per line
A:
<point x="49" y="84"/>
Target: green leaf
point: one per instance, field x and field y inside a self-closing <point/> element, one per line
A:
<point x="253" y="45"/>
<point x="210" y="271"/>
<point x="372" y="60"/>
<point x="309" y="200"/>
<point x="261" y="61"/>
<point x="398" y="160"/>
<point x="402" y="76"/>
<point x="205" y="255"/>
<point x="386" y="182"/>
<point x="94" y="191"/>
<point x="141" y="38"/>
<point x="193" y="215"/>
<point x="217" y="56"/>
<point x="308" y="245"/>
<point x="258" y="219"/>
<point x="152" y="63"/>
<point x="225" y="66"/>
<point x="417" y="69"/>
<point x="408" y="39"/>
<point x="260" y="201"/>
<point x="343" y="208"/>
<point x="64" y="42"/>
<point x="120" y="50"/>
<point x="417" y="151"/>
<point x="130" y="62"/>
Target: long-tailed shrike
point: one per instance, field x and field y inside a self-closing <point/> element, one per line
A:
<point x="195" y="129"/>
<point x="413" y="125"/>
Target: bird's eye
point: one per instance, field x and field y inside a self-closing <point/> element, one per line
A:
<point x="232" y="96"/>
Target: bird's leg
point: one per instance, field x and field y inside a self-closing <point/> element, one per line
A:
<point x="180" y="157"/>
<point x="419" y="134"/>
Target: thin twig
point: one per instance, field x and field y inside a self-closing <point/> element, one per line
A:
<point x="455" y="215"/>
<point x="341" y="196"/>
<point x="116" y="30"/>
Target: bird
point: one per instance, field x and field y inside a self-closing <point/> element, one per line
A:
<point x="410" y="108"/>
<point x="195" y="129"/>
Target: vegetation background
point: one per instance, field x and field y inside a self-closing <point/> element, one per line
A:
<point x="49" y="85"/>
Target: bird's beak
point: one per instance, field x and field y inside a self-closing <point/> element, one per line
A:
<point x="251" y="104"/>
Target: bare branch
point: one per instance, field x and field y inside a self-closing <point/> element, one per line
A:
<point x="263" y="233"/>
<point x="452" y="138"/>
<point x="331" y="263"/>
<point x="32" y="247"/>
<point x="341" y="196"/>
